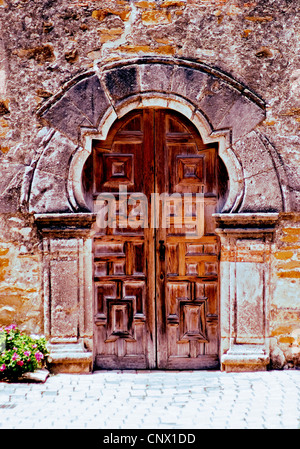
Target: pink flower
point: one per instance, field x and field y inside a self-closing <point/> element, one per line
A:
<point x="10" y="327"/>
<point x="34" y="346"/>
<point x="27" y="353"/>
<point x="39" y="356"/>
<point x="15" y="356"/>
<point x="20" y="362"/>
<point x="2" y="367"/>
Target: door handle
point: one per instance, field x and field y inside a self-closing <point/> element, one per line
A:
<point x="162" y="250"/>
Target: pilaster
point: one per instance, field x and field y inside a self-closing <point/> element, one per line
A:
<point x="246" y="246"/>
<point x="68" y="290"/>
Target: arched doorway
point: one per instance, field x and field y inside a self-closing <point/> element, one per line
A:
<point x="79" y="119"/>
<point x="154" y="186"/>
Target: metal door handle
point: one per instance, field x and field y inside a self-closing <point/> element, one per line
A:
<point x="162" y="250"/>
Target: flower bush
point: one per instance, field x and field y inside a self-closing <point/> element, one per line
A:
<point x="20" y="353"/>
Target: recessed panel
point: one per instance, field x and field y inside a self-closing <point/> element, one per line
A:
<point x="117" y="168"/>
<point x="192" y="321"/>
<point x="190" y="170"/>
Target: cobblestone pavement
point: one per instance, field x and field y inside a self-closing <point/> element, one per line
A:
<point x="155" y="400"/>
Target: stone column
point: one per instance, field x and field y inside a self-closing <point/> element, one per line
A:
<point x="246" y="245"/>
<point x="68" y="290"/>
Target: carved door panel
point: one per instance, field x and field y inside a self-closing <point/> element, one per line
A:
<point x="187" y="269"/>
<point x="155" y="259"/>
<point x="124" y="246"/>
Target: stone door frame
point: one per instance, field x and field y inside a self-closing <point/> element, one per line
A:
<point x="224" y="111"/>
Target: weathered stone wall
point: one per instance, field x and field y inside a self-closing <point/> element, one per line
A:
<point x="45" y="44"/>
<point x="21" y="298"/>
<point x="285" y="313"/>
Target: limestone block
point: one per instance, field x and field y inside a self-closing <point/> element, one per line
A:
<point x="284" y="296"/>
<point x="8" y="172"/>
<point x="189" y="83"/>
<point x="89" y="96"/>
<point x="66" y="117"/>
<point x="49" y="183"/>
<point x="48" y="193"/>
<point x="56" y="155"/>
<point x="276" y="355"/>
<point x="2" y="82"/>
<point x="40" y="375"/>
<point x="10" y="187"/>
<point x="217" y="100"/>
<point x="122" y="82"/>
<point x="69" y="358"/>
<point x="243" y="358"/>
<point x="83" y="105"/>
<point x="259" y="199"/>
<point x="155" y="77"/>
<point x="259" y="172"/>
<point x="242" y="117"/>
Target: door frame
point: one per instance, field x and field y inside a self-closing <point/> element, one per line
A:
<point x="156" y="100"/>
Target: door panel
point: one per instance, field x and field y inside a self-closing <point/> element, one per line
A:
<point x="187" y="281"/>
<point x="124" y="250"/>
<point x="156" y="267"/>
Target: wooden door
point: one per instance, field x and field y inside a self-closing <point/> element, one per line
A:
<point x="187" y="272"/>
<point x="155" y="272"/>
<point x="124" y="249"/>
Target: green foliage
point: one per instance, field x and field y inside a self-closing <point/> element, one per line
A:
<point x="20" y="353"/>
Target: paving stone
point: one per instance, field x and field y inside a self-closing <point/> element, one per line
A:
<point x="57" y="405"/>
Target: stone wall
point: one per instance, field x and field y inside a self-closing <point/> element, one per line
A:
<point x="21" y="299"/>
<point x="45" y="45"/>
<point x="285" y="313"/>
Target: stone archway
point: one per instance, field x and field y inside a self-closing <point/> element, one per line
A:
<point x="224" y="111"/>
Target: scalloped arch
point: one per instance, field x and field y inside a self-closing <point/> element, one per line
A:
<point x="221" y="108"/>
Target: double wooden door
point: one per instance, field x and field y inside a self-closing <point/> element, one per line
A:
<point x="154" y="186"/>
